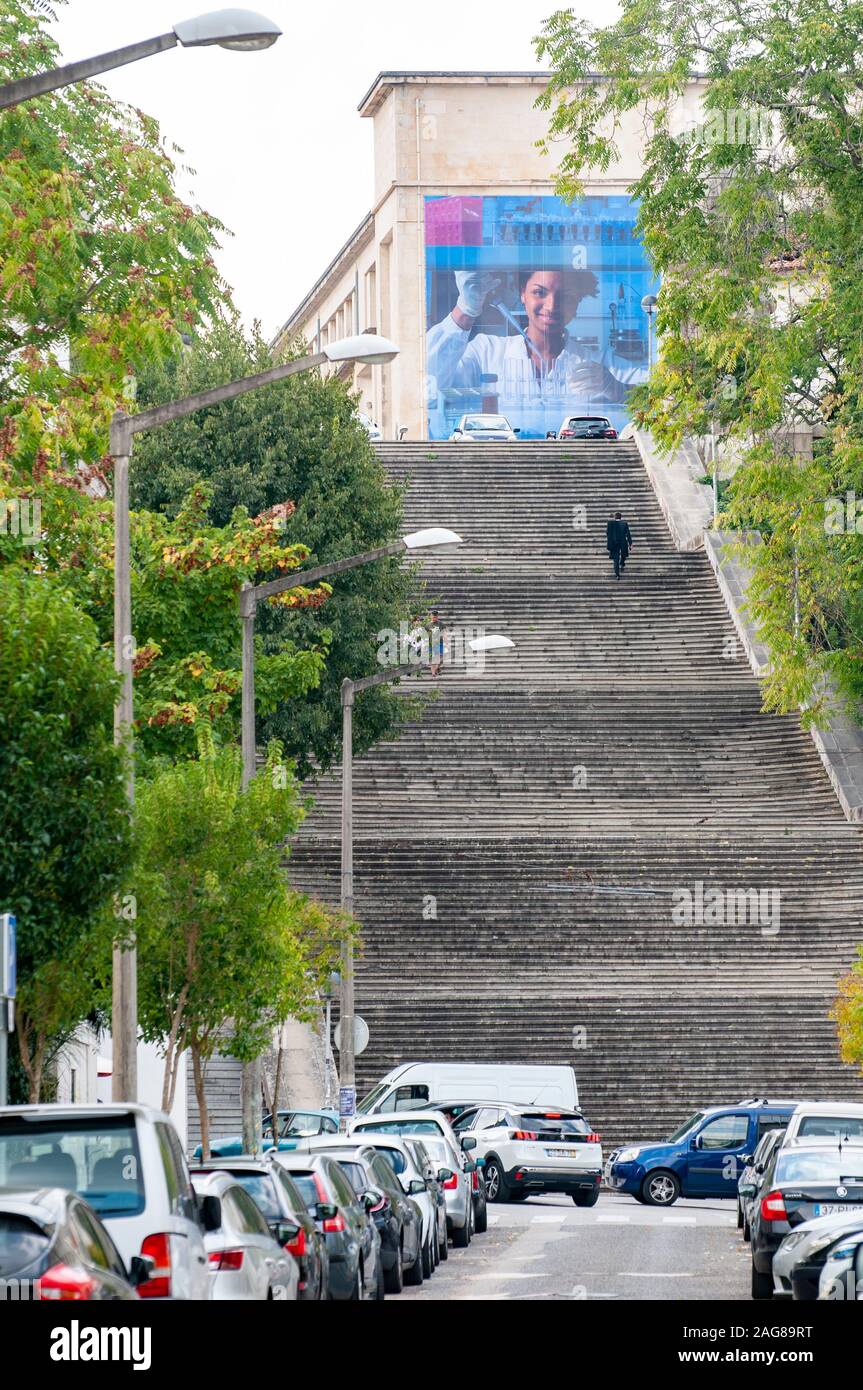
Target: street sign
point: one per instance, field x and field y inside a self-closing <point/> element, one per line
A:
<point x="361" y="1035"/>
<point x="347" y="1102"/>
<point x="7" y="956"/>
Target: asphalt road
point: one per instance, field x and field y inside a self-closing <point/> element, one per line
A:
<point x="547" y="1248"/>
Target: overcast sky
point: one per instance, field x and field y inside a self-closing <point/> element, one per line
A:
<point x="279" y="151"/>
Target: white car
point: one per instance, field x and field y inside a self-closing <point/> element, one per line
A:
<point x="825" y="1119"/>
<point x="245" y="1263"/>
<point x="372" y="429"/>
<point x="527" y="1149"/>
<point x="478" y="429"/>
<point x="127" y="1162"/>
<point x="432" y="1128"/>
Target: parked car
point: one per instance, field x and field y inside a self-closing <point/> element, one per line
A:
<point x="51" y="1239"/>
<point x="584" y="427"/>
<point x="127" y="1162"/>
<point x="478" y="429"/>
<point x="353" y="1243"/>
<point x="527" y="1149"/>
<point x="752" y="1173"/>
<point x="372" y="429"/>
<point x="826" y="1119"/>
<point x="842" y="1275"/>
<point x="428" y="1171"/>
<point x="805" y="1178"/>
<point x="293" y="1125"/>
<point x="443" y="1147"/>
<point x="703" y="1158"/>
<point x="406" y="1258"/>
<point x="244" y="1259"/>
<point x="803" y="1254"/>
<point x="414" y="1085"/>
<point x="284" y="1209"/>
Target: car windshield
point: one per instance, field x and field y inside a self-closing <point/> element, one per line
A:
<point x="262" y="1188"/>
<point x="486" y="422"/>
<point x="367" y="1103"/>
<point x="588" y="422"/>
<point x="822" y="1165"/>
<point x="549" y="1124"/>
<point x="96" y="1157"/>
<point x="400" y="1127"/>
<point x="21" y="1243"/>
<point x="831" y="1126"/>
<point x="685" y="1128"/>
<point x="439" y="1150"/>
<point x="357" y="1174"/>
<point x="301" y="1125"/>
<point x="307" y="1188"/>
<point x="396" y="1160"/>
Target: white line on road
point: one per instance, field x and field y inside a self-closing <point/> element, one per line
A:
<point x="680" y="1220"/>
<point x="653" y="1274"/>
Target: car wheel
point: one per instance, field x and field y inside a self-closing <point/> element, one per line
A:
<point x="435" y="1249"/>
<point x="660" y="1189"/>
<point x="739" y="1215"/>
<point x="495" y="1185"/>
<point x="428" y="1261"/>
<point x="461" y="1235"/>
<point x="443" y="1246"/>
<point x="358" y="1292"/>
<point x="482" y="1219"/>
<point x="586" y="1199"/>
<point x="394" y="1280"/>
<point x="762" y="1284"/>
<point x="414" y="1275"/>
<point x="380" y="1288"/>
<point x="747" y="1231"/>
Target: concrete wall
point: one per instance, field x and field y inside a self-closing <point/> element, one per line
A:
<point x="439" y="134"/>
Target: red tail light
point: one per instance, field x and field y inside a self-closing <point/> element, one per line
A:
<point x="226" y="1260"/>
<point x="611" y="434"/>
<point x="297" y="1247"/>
<point x="451" y="1183"/>
<point x="773" y="1207"/>
<point x="566" y="434"/>
<point x="334" y="1225"/>
<point x="158" y="1248"/>
<point x="594" y="1138"/>
<point x="66" y="1284"/>
<point x="474" y="1180"/>
<point x="524" y="1134"/>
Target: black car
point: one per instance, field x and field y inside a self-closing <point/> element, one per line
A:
<point x="752" y="1173"/>
<point x="397" y="1217"/>
<point x="281" y="1201"/>
<point x="805" y="1178"/>
<point x="353" y="1244"/>
<point x="53" y="1246"/>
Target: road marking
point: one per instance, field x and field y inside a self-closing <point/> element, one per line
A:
<point x="653" y="1274"/>
<point x="603" y="1220"/>
<point x="680" y="1220"/>
<point x="545" y="1218"/>
<point x="509" y="1274"/>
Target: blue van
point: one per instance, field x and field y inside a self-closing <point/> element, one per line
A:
<point x="703" y="1158"/>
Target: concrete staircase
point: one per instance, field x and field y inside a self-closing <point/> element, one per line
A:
<point x="517" y="852"/>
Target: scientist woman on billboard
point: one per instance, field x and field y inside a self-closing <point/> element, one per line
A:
<point x="537" y="360"/>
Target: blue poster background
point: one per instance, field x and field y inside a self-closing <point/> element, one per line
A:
<point x="588" y="254"/>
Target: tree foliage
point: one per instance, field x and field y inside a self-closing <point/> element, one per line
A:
<point x="226" y="949"/>
<point x="65" y="841"/>
<point x="297" y="442"/>
<point x="753" y="216"/>
<point x="848" y="1014"/>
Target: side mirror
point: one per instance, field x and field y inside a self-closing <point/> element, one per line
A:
<point x="370" y="1199"/>
<point x="444" y="1174"/>
<point x="284" y="1231"/>
<point x="210" y="1209"/>
<point x="696" y="1143"/>
<point x="759" y="1168"/>
<point x="746" y="1189"/>
<point x="415" y="1187"/>
<point x="325" y="1211"/>
<point x="479" y="1163"/>
<point x="517" y="431"/>
<point x="747" y="1159"/>
<point x="468" y="1143"/>
<point x="141" y="1270"/>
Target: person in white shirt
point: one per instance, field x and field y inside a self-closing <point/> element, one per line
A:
<point x="536" y="368"/>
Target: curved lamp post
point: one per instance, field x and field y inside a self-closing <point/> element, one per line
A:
<point x="242" y="30"/>
<point x="366" y="347"/>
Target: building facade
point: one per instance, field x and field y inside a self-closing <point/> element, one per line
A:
<point x="463" y="213"/>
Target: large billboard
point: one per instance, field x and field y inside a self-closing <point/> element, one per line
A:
<point x="533" y="310"/>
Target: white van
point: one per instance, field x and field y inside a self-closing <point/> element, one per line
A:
<point x="830" y="1119"/>
<point x="417" y="1083"/>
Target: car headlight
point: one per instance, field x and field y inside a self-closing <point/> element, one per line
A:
<point x="790" y="1241"/>
<point x="823" y="1241"/>
<point x="627" y="1155"/>
<point x="847" y="1248"/>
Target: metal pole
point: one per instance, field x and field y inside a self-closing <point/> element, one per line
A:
<point x="347" y="1073"/>
<point x="124" y="1013"/>
<point x="252" y="1071"/>
<point x="713" y="457"/>
<point x="26" y="88"/>
<point x="4" y="1066"/>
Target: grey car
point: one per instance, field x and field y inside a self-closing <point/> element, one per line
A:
<point x="353" y="1243"/>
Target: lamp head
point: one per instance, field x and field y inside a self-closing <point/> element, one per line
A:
<point x="243" y="30"/>
<point x="492" y="643"/>
<point x="432" y="536"/>
<point x="362" y="347"/>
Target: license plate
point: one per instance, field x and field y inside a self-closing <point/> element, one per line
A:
<point x="562" y="1153"/>
<point x="836" y="1208"/>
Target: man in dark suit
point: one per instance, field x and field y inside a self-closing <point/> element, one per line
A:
<point x="619" y="541"/>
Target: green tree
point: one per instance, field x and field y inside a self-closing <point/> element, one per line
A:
<point x="296" y="442"/>
<point x="848" y="1013"/>
<point x="65" y="842"/>
<point x="226" y="949"/>
<point x="103" y="265"/>
<point x="753" y="217"/>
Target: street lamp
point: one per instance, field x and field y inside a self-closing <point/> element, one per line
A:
<point x="242" y="30"/>
<point x="369" y="346"/>
<point x="250" y="595"/>
<point x="347" y="1067"/>
<point x="648" y="304"/>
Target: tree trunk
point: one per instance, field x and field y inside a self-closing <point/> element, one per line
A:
<point x="201" y="1097"/>
<point x="172" y="1053"/>
<point x="32" y="1062"/>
